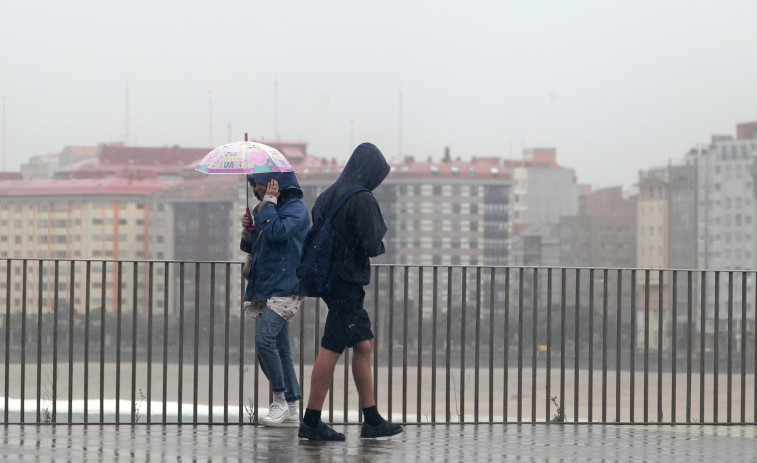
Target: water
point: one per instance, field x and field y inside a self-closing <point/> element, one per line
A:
<point x="497" y="442"/>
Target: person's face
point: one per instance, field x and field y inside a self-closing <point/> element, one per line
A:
<point x="259" y="189"/>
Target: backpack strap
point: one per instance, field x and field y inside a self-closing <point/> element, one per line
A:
<point x="340" y="202"/>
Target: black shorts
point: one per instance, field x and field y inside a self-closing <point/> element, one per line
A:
<point x="347" y="322"/>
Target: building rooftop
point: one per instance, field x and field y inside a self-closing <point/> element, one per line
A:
<point x="11" y="176"/>
<point x="112" y="159"/>
<point x="118" y="186"/>
<point x="201" y="186"/>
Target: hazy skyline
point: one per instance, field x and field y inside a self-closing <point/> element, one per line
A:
<point x="614" y="86"/>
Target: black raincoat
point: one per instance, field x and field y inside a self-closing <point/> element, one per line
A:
<point x="358" y="226"/>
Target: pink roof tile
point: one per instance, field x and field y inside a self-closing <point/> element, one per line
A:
<point x="81" y="187"/>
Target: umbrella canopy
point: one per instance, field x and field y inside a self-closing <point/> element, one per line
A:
<point x="244" y="157"/>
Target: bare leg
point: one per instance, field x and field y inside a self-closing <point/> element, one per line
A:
<point x="320" y="379"/>
<point x="361" y="371"/>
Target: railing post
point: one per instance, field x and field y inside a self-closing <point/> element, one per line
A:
<point x="604" y="345"/>
<point x="548" y="379"/>
<point x="7" y="337"/>
<point x="534" y="342"/>
<point x="576" y="347"/>
<point x="23" y="347"/>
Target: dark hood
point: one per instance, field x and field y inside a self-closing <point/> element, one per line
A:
<point x="287" y="181"/>
<point x="366" y="167"/>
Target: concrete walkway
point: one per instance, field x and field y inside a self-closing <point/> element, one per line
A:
<point x="483" y="442"/>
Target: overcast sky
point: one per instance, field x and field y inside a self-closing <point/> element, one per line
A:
<point x="615" y="86"/>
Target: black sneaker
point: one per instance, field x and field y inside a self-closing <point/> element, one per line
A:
<point x="382" y="430"/>
<point x="321" y="432"/>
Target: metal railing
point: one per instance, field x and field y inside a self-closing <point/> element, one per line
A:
<point x="452" y="344"/>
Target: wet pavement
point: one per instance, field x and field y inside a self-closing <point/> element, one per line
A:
<point x="469" y="442"/>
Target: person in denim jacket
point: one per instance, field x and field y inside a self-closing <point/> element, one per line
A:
<point x="275" y="244"/>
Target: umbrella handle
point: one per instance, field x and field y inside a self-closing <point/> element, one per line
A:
<point x="248" y="213"/>
<point x="247" y="197"/>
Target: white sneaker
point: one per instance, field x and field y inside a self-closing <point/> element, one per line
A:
<point x="293" y="420"/>
<point x="277" y="413"/>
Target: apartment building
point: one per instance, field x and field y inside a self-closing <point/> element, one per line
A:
<point x="726" y="214"/>
<point x="137" y="203"/>
<point x="543" y="191"/>
<point x="652" y="218"/>
<point x="75" y="219"/>
<point x="437" y="213"/>
<point x="726" y="225"/>
<point x="652" y="250"/>
<point x="603" y="234"/>
<point x="449" y="212"/>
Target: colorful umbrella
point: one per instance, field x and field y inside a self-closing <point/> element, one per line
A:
<point x="244" y="157"/>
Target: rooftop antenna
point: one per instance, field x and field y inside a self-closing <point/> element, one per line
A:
<point x="210" y="118"/>
<point x="3" y="132"/>
<point x="126" y="115"/>
<point x="276" y="107"/>
<point x="399" y="142"/>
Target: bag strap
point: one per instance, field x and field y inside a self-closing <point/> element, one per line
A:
<point x="340" y="202"/>
<point x="252" y="249"/>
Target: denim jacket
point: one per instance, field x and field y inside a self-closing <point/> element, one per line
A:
<point x="276" y="255"/>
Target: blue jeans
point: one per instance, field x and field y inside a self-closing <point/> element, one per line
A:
<point x="275" y="354"/>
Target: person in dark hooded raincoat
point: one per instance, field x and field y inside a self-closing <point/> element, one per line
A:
<point x="359" y="229"/>
<point x="272" y="295"/>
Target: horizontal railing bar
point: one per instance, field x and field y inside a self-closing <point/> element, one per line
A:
<point x="483" y="266"/>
